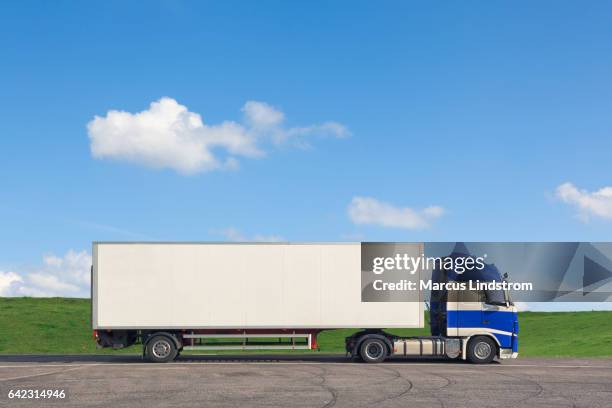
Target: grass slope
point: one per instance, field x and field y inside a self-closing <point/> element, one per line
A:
<point x="62" y="326"/>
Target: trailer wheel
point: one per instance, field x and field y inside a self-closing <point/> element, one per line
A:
<point x="481" y="350"/>
<point x="373" y="350"/>
<point x="160" y="349"/>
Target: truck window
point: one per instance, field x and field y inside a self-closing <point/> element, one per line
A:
<point x="495" y="297"/>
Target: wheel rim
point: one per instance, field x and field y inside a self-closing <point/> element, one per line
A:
<point x="374" y="350"/>
<point x="482" y="350"/>
<point x="161" y="349"/>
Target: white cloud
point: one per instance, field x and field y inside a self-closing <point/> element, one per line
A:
<point x="168" y="135"/>
<point x="52" y="283"/>
<point x="53" y="260"/>
<point x="57" y="276"/>
<point x="370" y="211"/>
<point x="8" y="282"/>
<point x="235" y="235"/>
<point x="325" y="129"/>
<point x="260" y="115"/>
<point x="597" y="203"/>
<point x="300" y="136"/>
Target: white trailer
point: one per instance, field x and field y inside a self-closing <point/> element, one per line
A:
<point x="235" y="296"/>
<point x="236" y="286"/>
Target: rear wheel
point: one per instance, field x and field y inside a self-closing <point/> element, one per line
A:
<point x="160" y="349"/>
<point x="373" y="351"/>
<point x="481" y="350"/>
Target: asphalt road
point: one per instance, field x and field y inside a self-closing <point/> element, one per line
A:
<point x="306" y="381"/>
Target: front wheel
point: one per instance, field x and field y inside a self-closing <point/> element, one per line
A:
<point x="373" y="351"/>
<point x="160" y="349"/>
<point x="481" y="350"/>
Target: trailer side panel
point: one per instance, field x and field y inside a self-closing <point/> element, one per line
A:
<point x="250" y="285"/>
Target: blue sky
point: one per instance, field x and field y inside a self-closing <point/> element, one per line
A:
<point x="458" y="121"/>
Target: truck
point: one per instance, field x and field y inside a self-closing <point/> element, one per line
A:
<point x="176" y="296"/>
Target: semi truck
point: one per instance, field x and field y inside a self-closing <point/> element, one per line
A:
<point x="173" y="297"/>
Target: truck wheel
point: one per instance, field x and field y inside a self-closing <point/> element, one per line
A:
<point x="373" y="351"/>
<point x="481" y="350"/>
<point x="160" y="349"/>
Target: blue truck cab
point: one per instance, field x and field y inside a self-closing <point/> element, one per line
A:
<point x="484" y="317"/>
<point x="470" y="318"/>
<point x="481" y="318"/>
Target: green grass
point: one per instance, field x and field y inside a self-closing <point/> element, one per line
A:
<point x="62" y="326"/>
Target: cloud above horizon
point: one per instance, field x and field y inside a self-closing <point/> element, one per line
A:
<point x="67" y="276"/>
<point x="589" y="204"/>
<point x="168" y="135"/>
<point x="370" y="211"/>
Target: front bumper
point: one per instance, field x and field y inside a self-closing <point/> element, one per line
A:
<point x="507" y="353"/>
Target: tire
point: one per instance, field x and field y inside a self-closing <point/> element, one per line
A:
<point x="373" y="350"/>
<point x="160" y="349"/>
<point x="481" y="350"/>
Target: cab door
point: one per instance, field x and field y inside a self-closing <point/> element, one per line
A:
<point x="470" y="304"/>
<point x="498" y="318"/>
<point x="466" y="314"/>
